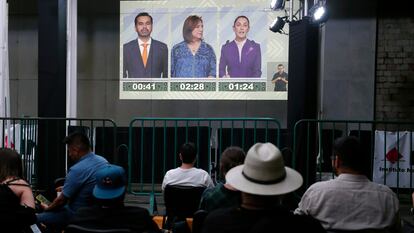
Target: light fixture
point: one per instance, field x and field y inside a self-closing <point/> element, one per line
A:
<point x="318" y="13"/>
<point x="277" y="5"/>
<point x="278" y="24"/>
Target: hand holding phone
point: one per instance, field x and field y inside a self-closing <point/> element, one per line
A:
<point x="43" y="200"/>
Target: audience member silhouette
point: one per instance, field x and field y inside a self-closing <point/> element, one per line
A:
<point x="223" y="194"/>
<point x="16" y="198"/>
<point x="110" y="212"/>
<point x="262" y="179"/>
<point x="351" y="201"/>
<point x="187" y="174"/>
<point x="79" y="182"/>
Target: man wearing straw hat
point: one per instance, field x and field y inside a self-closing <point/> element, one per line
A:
<point x="262" y="180"/>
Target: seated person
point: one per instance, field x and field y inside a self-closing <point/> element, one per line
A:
<point x="16" y="198"/>
<point x="110" y="212"/>
<point x="79" y="182"/>
<point x="224" y="195"/>
<point x="187" y="174"/>
<point x="262" y="180"/>
<point x="351" y="202"/>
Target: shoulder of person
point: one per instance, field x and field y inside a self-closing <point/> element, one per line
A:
<point x="206" y="45"/>
<point x="19" y="182"/>
<point x="131" y="43"/>
<point x="227" y="44"/>
<point x="253" y="42"/>
<point x="159" y="43"/>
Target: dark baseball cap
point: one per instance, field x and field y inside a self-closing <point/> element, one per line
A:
<point x="110" y="182"/>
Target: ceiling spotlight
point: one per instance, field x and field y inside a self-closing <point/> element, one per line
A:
<point x="277" y="5"/>
<point x="319" y="13"/>
<point x="277" y="25"/>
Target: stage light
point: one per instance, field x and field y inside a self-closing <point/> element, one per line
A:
<point x="277" y="5"/>
<point x="277" y="25"/>
<point x="319" y="13"/>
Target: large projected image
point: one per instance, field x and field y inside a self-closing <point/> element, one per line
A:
<point x="212" y="50"/>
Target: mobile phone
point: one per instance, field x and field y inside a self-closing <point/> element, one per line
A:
<point x="42" y="199"/>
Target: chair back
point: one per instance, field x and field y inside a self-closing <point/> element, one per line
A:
<point x="198" y="220"/>
<point x="182" y="201"/>
<point x="73" y="228"/>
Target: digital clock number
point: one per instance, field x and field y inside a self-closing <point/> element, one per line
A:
<point x="241" y="86"/>
<point x="143" y="86"/>
<point x="192" y="86"/>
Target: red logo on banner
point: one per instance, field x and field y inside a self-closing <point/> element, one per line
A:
<point x="393" y="155"/>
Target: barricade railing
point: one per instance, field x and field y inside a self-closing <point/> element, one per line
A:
<point x="154" y="144"/>
<point x="39" y="141"/>
<point x="387" y="148"/>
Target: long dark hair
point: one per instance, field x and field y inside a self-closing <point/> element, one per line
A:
<point x="10" y="164"/>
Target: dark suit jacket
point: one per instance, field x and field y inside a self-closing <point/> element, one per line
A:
<point x="157" y="63"/>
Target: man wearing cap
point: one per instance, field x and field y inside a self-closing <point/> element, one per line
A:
<point x="261" y="180"/>
<point x="110" y="212"/>
<point x="79" y="182"/>
<point x="351" y="202"/>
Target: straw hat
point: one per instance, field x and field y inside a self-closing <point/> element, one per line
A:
<point x="264" y="172"/>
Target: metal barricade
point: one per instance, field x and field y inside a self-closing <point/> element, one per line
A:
<point x="313" y="141"/>
<point x="154" y="144"/>
<point x="39" y="141"/>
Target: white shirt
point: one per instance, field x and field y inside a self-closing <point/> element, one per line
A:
<point x="240" y="47"/>
<point x="141" y="47"/>
<point x="187" y="177"/>
<point x="350" y="202"/>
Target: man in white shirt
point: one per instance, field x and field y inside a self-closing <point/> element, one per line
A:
<point x="351" y="202"/>
<point x="187" y="174"/>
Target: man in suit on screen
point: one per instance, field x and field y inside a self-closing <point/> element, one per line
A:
<point x="145" y="57"/>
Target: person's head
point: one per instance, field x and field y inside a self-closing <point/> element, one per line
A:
<point x="78" y="145"/>
<point x="231" y="157"/>
<point x="280" y="68"/>
<point x="143" y="25"/>
<point x="241" y="27"/>
<point x="188" y="153"/>
<point x="193" y="28"/>
<point x="264" y="173"/>
<point x="347" y="155"/>
<point x="10" y="164"/>
<point x="110" y="185"/>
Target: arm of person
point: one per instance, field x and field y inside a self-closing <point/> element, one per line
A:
<point x="213" y="71"/>
<point x="165" y="181"/>
<point x="222" y="64"/>
<point x="164" y="61"/>
<point x="57" y="203"/>
<point x="258" y="63"/>
<point x="124" y="63"/>
<point x="173" y="61"/>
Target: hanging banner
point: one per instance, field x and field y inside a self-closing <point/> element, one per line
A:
<point x="392" y="159"/>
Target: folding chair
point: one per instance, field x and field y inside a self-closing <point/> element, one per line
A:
<point x="198" y="220"/>
<point x="73" y="228"/>
<point x="181" y="202"/>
